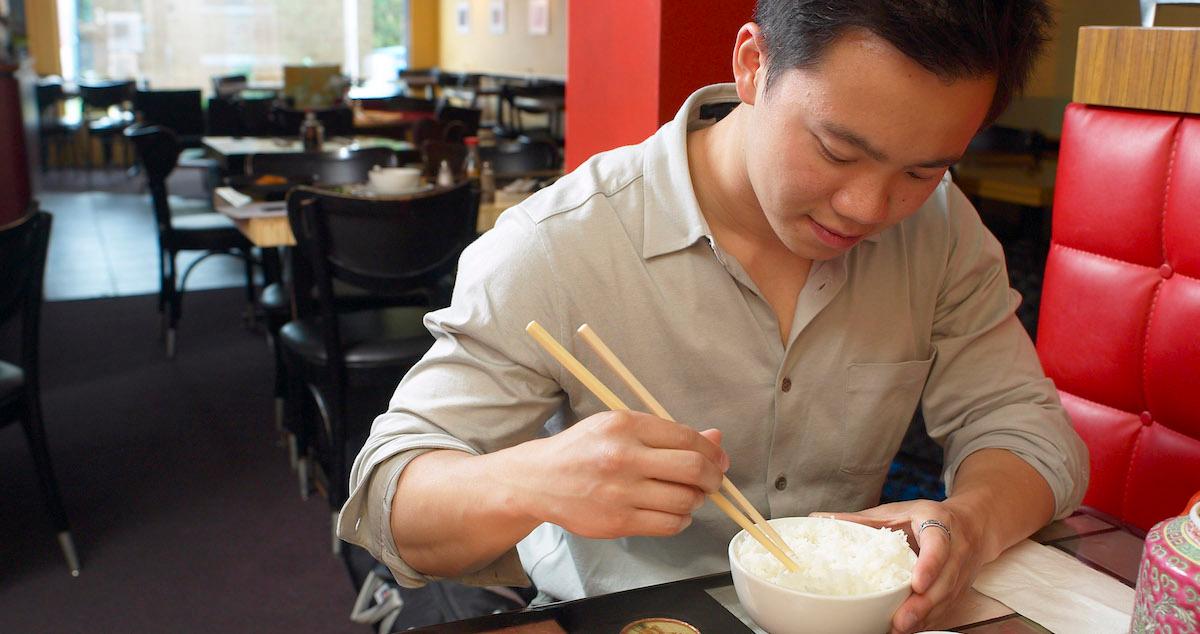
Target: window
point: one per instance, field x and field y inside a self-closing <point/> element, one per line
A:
<point x="183" y="43"/>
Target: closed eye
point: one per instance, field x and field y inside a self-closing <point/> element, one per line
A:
<point x="829" y="156"/>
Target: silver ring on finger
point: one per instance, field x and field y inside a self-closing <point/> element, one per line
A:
<point x="936" y="523"/>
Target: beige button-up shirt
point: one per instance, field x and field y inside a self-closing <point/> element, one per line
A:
<point x="920" y="315"/>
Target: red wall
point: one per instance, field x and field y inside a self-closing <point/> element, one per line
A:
<point x="631" y="63"/>
<point x="14" y="170"/>
<point x="696" y="48"/>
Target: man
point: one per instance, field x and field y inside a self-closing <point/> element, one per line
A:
<point x="799" y="275"/>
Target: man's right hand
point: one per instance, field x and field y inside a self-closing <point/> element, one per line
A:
<point x="616" y="474"/>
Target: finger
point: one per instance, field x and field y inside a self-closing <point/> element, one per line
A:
<point x="865" y="519"/>
<point x="934" y="545"/>
<point x="713" y="435"/>
<point x="668" y="497"/>
<point x="665" y="434"/>
<point x="657" y="523"/>
<point x="680" y="466"/>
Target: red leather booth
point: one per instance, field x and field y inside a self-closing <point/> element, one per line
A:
<point x="1119" y="329"/>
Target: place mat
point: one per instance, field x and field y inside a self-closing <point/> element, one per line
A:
<point x="1057" y="591"/>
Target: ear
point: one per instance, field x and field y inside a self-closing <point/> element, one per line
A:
<point x="749" y="63"/>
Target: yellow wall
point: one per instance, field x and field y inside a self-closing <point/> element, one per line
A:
<point x="516" y="52"/>
<point x="1053" y="79"/>
<point x="42" y="25"/>
<point x="424" y="33"/>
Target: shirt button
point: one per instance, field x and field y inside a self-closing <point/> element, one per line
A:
<point x="786" y="386"/>
<point x="781" y="483"/>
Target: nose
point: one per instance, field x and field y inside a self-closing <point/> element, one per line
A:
<point x="863" y="201"/>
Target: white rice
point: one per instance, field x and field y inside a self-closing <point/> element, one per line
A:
<point x="835" y="558"/>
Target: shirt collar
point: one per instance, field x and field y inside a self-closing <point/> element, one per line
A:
<point x="673" y="220"/>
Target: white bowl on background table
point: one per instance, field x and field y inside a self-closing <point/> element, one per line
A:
<point x="394" y="180"/>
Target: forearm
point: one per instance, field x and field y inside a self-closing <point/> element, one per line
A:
<point x="1001" y="499"/>
<point x="450" y="515"/>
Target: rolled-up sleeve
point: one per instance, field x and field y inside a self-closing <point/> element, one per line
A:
<point x="482" y="386"/>
<point x="986" y="388"/>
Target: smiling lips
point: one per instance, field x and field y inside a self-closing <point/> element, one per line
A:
<point x="833" y="238"/>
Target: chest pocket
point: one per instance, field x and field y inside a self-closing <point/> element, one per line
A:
<point x="880" y="399"/>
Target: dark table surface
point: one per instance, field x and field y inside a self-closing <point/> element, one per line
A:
<point x="1100" y="542"/>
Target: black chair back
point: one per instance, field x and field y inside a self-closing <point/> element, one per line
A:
<point x="179" y="110"/>
<point x="514" y="159"/>
<point x="48" y="94"/>
<point x="400" y="103"/>
<point x="158" y="150"/>
<point x="338" y="121"/>
<point x="22" y="264"/>
<point x="467" y="121"/>
<point x="323" y="168"/>
<point x="387" y="246"/>
<point x="102" y="95"/>
<point x="229" y="86"/>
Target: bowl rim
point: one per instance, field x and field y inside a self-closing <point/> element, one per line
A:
<point x="734" y="562"/>
<point x="1195" y="515"/>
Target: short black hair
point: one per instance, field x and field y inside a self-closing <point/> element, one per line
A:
<point x="953" y="39"/>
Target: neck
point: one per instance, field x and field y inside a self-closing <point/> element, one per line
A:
<point x="717" y="163"/>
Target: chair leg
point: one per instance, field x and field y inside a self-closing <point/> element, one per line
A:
<point x="35" y="434"/>
<point x="67" y="543"/>
<point x="174" y="304"/>
<point x="251" y="296"/>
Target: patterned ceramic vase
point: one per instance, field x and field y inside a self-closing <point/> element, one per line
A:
<point x="1168" y="585"/>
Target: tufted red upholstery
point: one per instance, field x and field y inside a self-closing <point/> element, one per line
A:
<point x="1119" y="330"/>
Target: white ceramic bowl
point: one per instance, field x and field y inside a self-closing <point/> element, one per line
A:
<point x="781" y="610"/>
<point x="394" y="180"/>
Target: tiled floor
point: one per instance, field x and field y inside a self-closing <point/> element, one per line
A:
<point x="104" y="243"/>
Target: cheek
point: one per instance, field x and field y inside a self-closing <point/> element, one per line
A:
<point x="788" y="175"/>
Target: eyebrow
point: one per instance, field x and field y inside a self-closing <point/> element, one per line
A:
<point x="857" y="140"/>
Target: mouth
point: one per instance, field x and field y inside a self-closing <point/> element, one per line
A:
<point x="833" y="238"/>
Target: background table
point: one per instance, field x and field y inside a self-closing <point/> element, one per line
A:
<point x="230" y="152"/>
<point x="710" y="603"/>
<point x="266" y="225"/>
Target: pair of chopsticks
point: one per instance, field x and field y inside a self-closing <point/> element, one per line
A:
<point x="759" y="528"/>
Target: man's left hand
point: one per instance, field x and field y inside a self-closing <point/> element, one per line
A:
<point x="947" y="560"/>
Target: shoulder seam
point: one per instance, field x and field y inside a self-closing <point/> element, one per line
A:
<point x="571" y="207"/>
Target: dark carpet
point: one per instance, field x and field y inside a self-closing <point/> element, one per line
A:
<point x="185" y="513"/>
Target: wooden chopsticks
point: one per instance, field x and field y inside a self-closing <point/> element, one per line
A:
<point x="759" y="528"/>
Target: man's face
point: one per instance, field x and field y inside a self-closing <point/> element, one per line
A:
<point x="855" y="144"/>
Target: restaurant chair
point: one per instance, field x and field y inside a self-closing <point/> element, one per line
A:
<point x="23" y="260"/>
<point x="206" y="231"/>
<point x="229" y="86"/>
<point x="457" y="123"/>
<point x="319" y="168"/>
<point x="512" y="160"/>
<point x="107" y="111"/>
<point x="179" y="110"/>
<point x="54" y="130"/>
<point x="343" y="361"/>
<point x="1117" y="331"/>
<point x="547" y="99"/>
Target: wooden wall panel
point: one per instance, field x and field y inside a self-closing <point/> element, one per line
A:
<point x="1133" y="67"/>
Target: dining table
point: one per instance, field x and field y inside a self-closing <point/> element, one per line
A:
<point x="265" y="223"/>
<point x="1088" y="556"/>
<point x="230" y="152"/>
